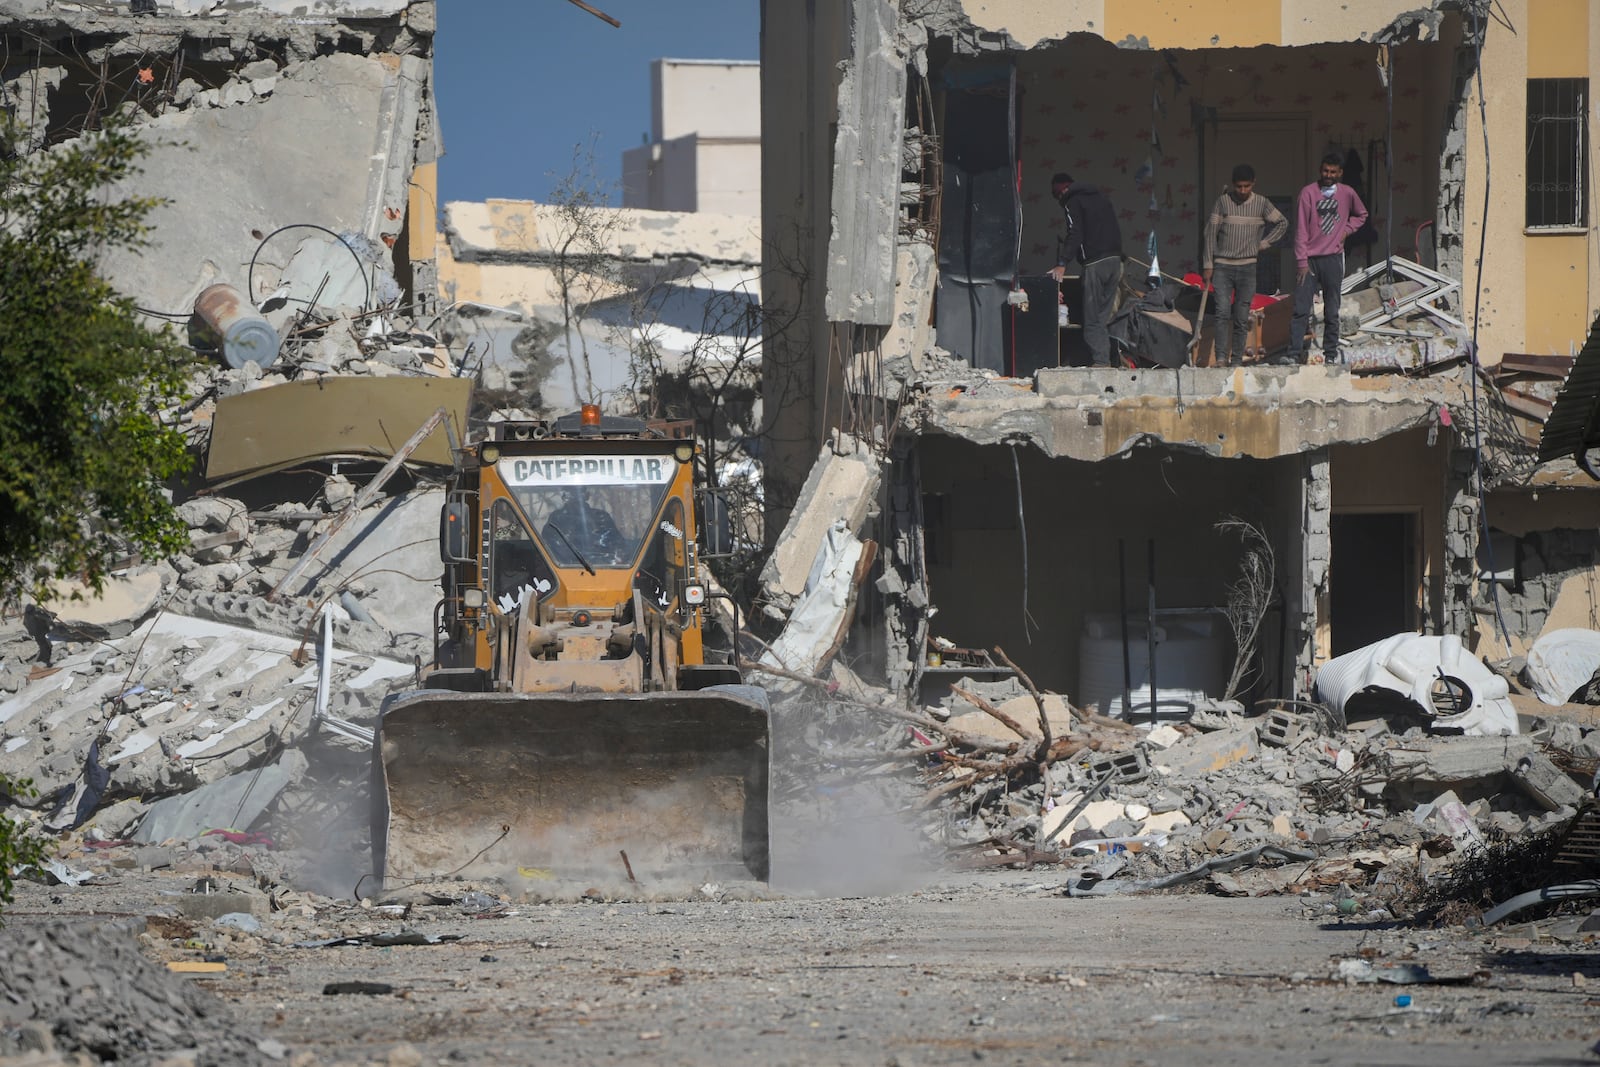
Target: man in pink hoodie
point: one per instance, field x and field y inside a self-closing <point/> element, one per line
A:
<point x="1326" y="213"/>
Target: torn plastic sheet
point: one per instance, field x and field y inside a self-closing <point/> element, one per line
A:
<point x="1233" y="861"/>
<point x="1435" y="676"/>
<point x="1562" y="662"/>
<point x="814" y="623"/>
<point x="57" y="873"/>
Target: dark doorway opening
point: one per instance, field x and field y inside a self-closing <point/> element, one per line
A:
<point x="1372" y="579"/>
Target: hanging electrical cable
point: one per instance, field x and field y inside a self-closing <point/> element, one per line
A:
<point x="1480" y="28"/>
<point x="1016" y="207"/>
<point x="1028" y="624"/>
<point x="1386" y="73"/>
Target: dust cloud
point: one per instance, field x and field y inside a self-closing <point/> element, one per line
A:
<point x="842" y="824"/>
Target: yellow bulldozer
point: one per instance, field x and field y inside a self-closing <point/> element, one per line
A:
<point x="570" y="726"/>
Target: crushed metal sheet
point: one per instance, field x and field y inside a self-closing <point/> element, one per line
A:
<point x="265" y="430"/>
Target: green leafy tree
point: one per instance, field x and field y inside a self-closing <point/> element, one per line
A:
<point x="18" y="850"/>
<point x="83" y="450"/>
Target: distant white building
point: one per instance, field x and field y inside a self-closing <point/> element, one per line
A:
<point x="705" y="140"/>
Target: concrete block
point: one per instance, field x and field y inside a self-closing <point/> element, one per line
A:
<point x="216" y="905"/>
<point x="1163" y="736"/>
<point x="1130" y="766"/>
<point x="1549" y="786"/>
<point x="1210" y="753"/>
<point x="113" y="612"/>
<point x="839" y="486"/>
<point x="1284" y="728"/>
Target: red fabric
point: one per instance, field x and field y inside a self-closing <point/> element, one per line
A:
<point x="1259" y="301"/>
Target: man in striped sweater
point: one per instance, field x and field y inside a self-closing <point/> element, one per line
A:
<point x="1242" y="226"/>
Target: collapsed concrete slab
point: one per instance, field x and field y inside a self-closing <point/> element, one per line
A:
<point x="175" y="704"/>
<point x="841" y="488"/>
<point x="122" y="602"/>
<point x="231" y="803"/>
<point x="268" y="429"/>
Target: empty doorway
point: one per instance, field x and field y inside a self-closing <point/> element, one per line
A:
<point x="1372" y="578"/>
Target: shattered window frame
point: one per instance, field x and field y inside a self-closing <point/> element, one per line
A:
<point x="1557" y="163"/>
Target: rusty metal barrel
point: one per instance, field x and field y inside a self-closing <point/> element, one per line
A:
<point x="245" y="336"/>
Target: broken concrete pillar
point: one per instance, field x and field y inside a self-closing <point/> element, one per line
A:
<point x="842" y="485"/>
<point x="866" y="170"/>
<point x="1455" y="761"/>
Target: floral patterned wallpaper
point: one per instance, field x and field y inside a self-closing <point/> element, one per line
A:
<point x="1127" y="120"/>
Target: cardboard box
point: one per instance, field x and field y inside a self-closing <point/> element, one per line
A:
<point x="1268" y="336"/>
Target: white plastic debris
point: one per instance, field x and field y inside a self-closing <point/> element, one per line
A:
<point x="1444" y="682"/>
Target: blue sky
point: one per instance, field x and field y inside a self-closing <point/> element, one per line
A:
<point x="520" y="82"/>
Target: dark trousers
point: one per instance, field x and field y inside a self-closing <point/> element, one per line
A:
<point x="1326" y="274"/>
<point x="1100" y="281"/>
<point x="1235" y="285"/>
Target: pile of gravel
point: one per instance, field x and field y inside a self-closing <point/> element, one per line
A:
<point x="88" y="985"/>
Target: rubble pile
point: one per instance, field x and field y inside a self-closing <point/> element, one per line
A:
<point x="1302" y="799"/>
<point x="187" y="673"/>
<point x="86" y="988"/>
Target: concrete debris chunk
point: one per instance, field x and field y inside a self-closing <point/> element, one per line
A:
<point x="1209" y="753"/>
<point x="1546" y="783"/>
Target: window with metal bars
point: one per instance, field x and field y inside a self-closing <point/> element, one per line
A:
<point x="1558" y="134"/>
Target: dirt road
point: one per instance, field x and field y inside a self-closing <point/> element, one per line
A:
<point x="993" y="967"/>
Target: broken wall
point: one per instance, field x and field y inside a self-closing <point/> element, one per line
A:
<point x="1076" y="515"/>
<point x="801" y="48"/>
<point x="641" y="289"/>
<point x="1542" y="573"/>
<point x="1091" y="109"/>
<point x="262" y="117"/>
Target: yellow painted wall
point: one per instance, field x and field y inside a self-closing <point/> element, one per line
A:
<point x="1031" y="21"/>
<point x="1195" y="23"/>
<point x="1558" y="38"/>
<point x="1556" y="267"/>
<point x="1558" y="292"/>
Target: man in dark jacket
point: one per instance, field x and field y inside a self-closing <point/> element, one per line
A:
<point x="1094" y="239"/>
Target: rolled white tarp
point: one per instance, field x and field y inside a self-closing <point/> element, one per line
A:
<point x="1562" y="662"/>
<point x="1475" y="702"/>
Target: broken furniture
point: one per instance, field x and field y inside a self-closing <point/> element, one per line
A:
<point x="1270" y="316"/>
<point x="1419" y="290"/>
<point x="947" y="664"/>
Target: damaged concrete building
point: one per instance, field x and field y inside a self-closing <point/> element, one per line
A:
<point x="264" y="122"/>
<point x="1029" y="501"/>
<point x="292" y="154"/>
<point x="555" y="305"/>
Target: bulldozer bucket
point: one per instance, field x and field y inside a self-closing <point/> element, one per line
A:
<point x="553" y="786"/>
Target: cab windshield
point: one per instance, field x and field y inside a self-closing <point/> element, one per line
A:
<point x="594" y="510"/>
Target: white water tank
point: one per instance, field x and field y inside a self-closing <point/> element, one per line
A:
<point x="1192" y="650"/>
